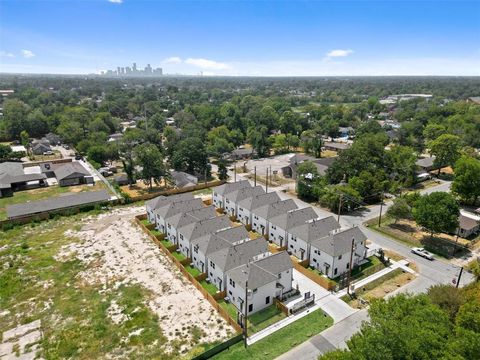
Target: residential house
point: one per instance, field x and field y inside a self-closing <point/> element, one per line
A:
<point x="233" y="256"/>
<point x="203" y="246"/>
<point x="13" y="178"/>
<point x="322" y="165"/>
<point x="301" y="236"/>
<point x="178" y="220"/>
<point x="242" y="153"/>
<point x="281" y="225"/>
<point x="40" y="148"/>
<point x="195" y="230"/>
<point x="426" y="164"/>
<point x="263" y="214"/>
<point x="169" y="209"/>
<point x="468" y="224"/>
<point x="219" y="192"/>
<point x="53" y="139"/>
<point x="183" y="179"/>
<point x="72" y="174"/>
<point x="336" y="146"/>
<point x="331" y="254"/>
<point x="261" y="280"/>
<point x="232" y="199"/>
<point x="159" y="201"/>
<point x="247" y="206"/>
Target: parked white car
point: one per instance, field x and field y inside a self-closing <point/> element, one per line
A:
<point x="423" y="253"/>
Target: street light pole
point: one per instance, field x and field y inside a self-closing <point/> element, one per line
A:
<point x="459" y="277"/>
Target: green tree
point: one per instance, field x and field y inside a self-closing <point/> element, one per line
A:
<point x="258" y="138"/>
<point x="466" y="183"/>
<point x="15" y="114"/>
<point x="448" y="298"/>
<point x="222" y="170"/>
<point x="307" y="176"/>
<point x="437" y="212"/>
<point x="446" y="149"/>
<point x="330" y="195"/>
<point x="311" y="142"/>
<point x="150" y="159"/>
<point x="190" y="156"/>
<point x="400" y="210"/>
<point x="5" y="153"/>
<point x="25" y="141"/>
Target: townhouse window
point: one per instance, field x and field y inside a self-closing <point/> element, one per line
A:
<point x="280" y="238"/>
<point x="335" y="271"/>
<point x="267" y="300"/>
<point x="212" y="264"/>
<point x="181" y="237"/>
<point x="169" y="226"/>
<point x="274" y="227"/>
<point x="230" y="292"/>
<point x="291" y="246"/>
<point x="210" y="273"/>
<point x="254" y="291"/>
<point x="271" y="234"/>
<point x="280" y="275"/>
<point x="232" y="283"/>
<point x="254" y="224"/>
<point x="195" y="248"/>
<point x="240" y="209"/>
<point x="314" y="251"/>
<point x="340" y="257"/>
<point x="250" y="308"/>
<point x="348" y="265"/>
<point x="314" y="260"/>
<point x="194" y="258"/>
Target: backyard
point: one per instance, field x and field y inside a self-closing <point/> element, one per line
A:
<point x="280" y="341"/>
<point x="42" y="194"/>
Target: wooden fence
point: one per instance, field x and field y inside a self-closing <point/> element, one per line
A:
<point x="211" y="299"/>
<point x="280" y="306"/>
<point x="320" y="280"/>
<point x="177" y="191"/>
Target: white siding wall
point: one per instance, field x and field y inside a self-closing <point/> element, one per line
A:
<point x="184" y="245"/>
<point x="286" y="280"/>
<point x="161" y="226"/>
<point x="277" y="235"/>
<point x="259" y="224"/>
<point x="217" y="200"/>
<point x="296" y="245"/>
<point x="199" y="260"/>
<point x="215" y="274"/>
<point x="150" y="215"/>
<point x="230" y="208"/>
<point x="257" y="298"/>
<point x="244" y="216"/>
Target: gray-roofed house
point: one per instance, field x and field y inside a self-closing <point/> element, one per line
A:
<point x="57" y="204"/>
<point x="161" y="200"/>
<point x="231" y="257"/>
<point x="233" y="198"/>
<point x="170" y="208"/>
<point x="468" y="224"/>
<point x="301" y="237"/>
<point x="336" y="146"/>
<point x="247" y="206"/>
<point x="40" y="148"/>
<point x="266" y="279"/>
<point x="331" y="254"/>
<point x="263" y="214"/>
<point x="183" y="179"/>
<point x="242" y="153"/>
<point x="210" y="243"/>
<point x="426" y="164"/>
<point x="195" y="230"/>
<point x="53" y="139"/>
<point x="219" y="192"/>
<point x="281" y="224"/>
<point x="13" y="178"/>
<point x="322" y="165"/>
<point x="179" y="220"/>
<point x="73" y="173"/>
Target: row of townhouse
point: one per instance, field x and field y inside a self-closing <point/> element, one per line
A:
<point x="322" y="242"/>
<point x="222" y="251"/>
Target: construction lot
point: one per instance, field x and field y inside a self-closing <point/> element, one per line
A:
<point x="102" y="289"/>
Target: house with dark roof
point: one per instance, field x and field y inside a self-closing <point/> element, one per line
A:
<point x="336" y="146"/>
<point x="233" y="256"/>
<point x="322" y="165"/>
<point x="263" y="280"/>
<point x="301" y="237"/>
<point x="53" y="139"/>
<point x="183" y="179"/>
<point x="426" y="164"/>
<point x="233" y="198"/>
<point x="159" y="201"/>
<point x="219" y="192"/>
<point x="247" y="206"/>
<point x="73" y="173"/>
<point x="242" y="153"/>
<point x="170" y="208"/>
<point x="197" y="229"/>
<point x="262" y="215"/>
<point x="13" y="178"/>
<point x="41" y="148"/>
<point x="208" y="244"/>
<point x="331" y="254"/>
<point x="282" y="224"/>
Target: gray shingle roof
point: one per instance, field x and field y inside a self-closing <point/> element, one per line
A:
<point x="467" y="223"/>
<point x="167" y="209"/>
<point x="224" y="189"/>
<point x="11" y="168"/>
<point x="425" y="162"/>
<point x="57" y="203"/>
<point x="70" y="170"/>
<point x="276" y="263"/>
<point x="271" y="210"/>
<point x="182" y="219"/>
<point x="254" y="202"/>
<point x="256" y="276"/>
<point x="221" y="239"/>
<point x="291" y="219"/>
<point x="204" y="227"/>
<point x="161" y="200"/>
<point x="9" y="179"/>
<point x="236" y="255"/>
<point x="183" y="179"/>
<point x="339" y="243"/>
<point x="241" y="194"/>
<point x="315" y="229"/>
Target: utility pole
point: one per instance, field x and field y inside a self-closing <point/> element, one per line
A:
<point x="255" y="176"/>
<point x="459" y="277"/>
<point x="245" y="334"/>
<point x="266" y="182"/>
<point x="271" y="176"/>
<point x="350" y="267"/>
<point x="339" y="208"/>
<point x="235" y="171"/>
<point x="381" y="207"/>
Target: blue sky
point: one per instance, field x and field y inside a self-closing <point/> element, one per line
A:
<point x="270" y="38"/>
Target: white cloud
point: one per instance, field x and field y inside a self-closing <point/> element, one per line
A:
<point x="339" y="53"/>
<point x="172" y="60"/>
<point x="207" y="64"/>
<point x="27" y="54"/>
<point x="6" y="54"/>
<point x="116" y="1"/>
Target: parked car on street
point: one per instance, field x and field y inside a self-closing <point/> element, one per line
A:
<point x="423" y="253"/>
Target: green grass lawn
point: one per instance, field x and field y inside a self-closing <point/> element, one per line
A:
<point x="179" y="256"/>
<point x="264" y="318"/>
<point x="192" y="271"/>
<point x="42" y="194"/>
<point x="367" y="269"/>
<point x="212" y="289"/>
<point x="145" y="222"/>
<point x="203" y="192"/>
<point x="280" y="341"/>
<point x="166" y="243"/>
<point x="230" y="308"/>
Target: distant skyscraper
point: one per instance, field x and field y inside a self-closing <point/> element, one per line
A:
<point x="134" y="67"/>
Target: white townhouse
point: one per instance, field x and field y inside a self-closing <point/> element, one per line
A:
<point x="219" y="192"/>
<point x="233" y="256"/>
<point x="195" y="230"/>
<point x="262" y="281"/>
<point x="232" y="199"/>
<point x="331" y="254"/>
<point x="172" y="208"/>
<point x="176" y="221"/>
<point x="159" y="201"/>
<point x="203" y="246"/>
<point x="262" y="215"/>
<point x="247" y="206"/>
<point x="301" y="237"/>
<point x="281" y="224"/>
